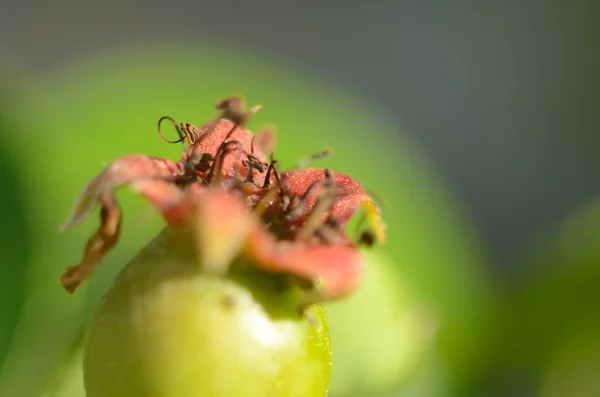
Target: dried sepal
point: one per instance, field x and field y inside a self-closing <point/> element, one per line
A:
<point x="349" y="194"/>
<point x="129" y="169"/>
<point x="329" y="271"/>
<point x="98" y="245"/>
<point x="150" y="176"/>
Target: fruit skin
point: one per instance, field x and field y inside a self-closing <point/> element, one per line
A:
<point x="368" y="363"/>
<point x="164" y="328"/>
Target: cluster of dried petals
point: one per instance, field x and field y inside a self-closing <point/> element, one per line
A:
<point x="291" y="222"/>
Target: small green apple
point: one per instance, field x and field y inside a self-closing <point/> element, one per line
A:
<point x="165" y="328"/>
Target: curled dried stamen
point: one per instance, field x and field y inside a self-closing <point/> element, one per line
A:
<point x="204" y="163"/>
<point x="297" y="204"/>
<point x="227" y="147"/>
<point x="253" y="163"/>
<point x="234" y="110"/>
<point x="303" y="162"/>
<point x="197" y="161"/>
<point x="191" y="132"/>
<point x="272" y="169"/>
<point x="324" y="204"/>
<point x="264" y="202"/>
<point x="184" y="130"/>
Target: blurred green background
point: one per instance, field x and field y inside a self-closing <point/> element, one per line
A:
<point x="489" y="282"/>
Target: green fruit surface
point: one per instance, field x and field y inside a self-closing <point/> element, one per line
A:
<point x="381" y="333"/>
<point x="165" y="329"/>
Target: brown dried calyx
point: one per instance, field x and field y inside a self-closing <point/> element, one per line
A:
<point x="302" y="213"/>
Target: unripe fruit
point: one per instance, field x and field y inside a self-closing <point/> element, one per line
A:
<point x="165" y="328"/>
<point x="372" y="363"/>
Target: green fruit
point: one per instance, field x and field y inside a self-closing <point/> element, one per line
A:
<point x="165" y="328"/>
<point x="381" y="334"/>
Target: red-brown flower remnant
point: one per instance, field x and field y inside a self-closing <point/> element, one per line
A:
<point x="210" y="306"/>
<point x="290" y="222"/>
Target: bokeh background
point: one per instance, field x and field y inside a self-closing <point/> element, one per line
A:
<point x="476" y="123"/>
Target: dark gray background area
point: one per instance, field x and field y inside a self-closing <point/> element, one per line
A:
<point x="502" y="95"/>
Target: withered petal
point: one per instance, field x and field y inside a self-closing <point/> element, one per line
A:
<point x="335" y="269"/>
<point x="349" y="194"/>
<point x="212" y="135"/>
<point x="225" y="229"/>
<point x="152" y="177"/>
<point x="134" y="168"/>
